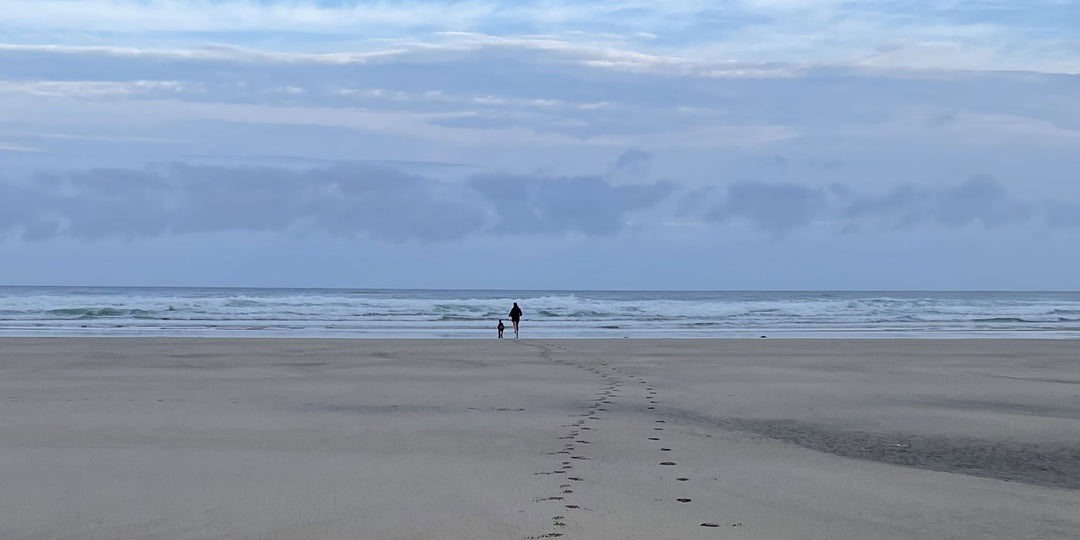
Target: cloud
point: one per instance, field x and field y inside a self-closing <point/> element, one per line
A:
<point x="633" y="162"/>
<point x="586" y="205"/>
<point x="549" y="85"/>
<point x="7" y="147"/>
<point x="348" y="200"/>
<point x="774" y="207"/>
<point x="383" y="203"/>
<point x="99" y="89"/>
<point x="978" y="201"/>
<point x="238" y="15"/>
<point x="1063" y="215"/>
<point x="687" y="38"/>
<point x="783" y="208"/>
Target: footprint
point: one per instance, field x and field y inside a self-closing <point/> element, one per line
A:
<point x="575" y="506"/>
<point x="665" y="449"/>
<point x="658" y="429"/>
<point x="682" y="478"/>
<point x="683" y="500"/>
<point x="710" y="525"/>
<point x="667" y="462"/>
<point x="575" y="479"/>
<point x="654" y="438"/>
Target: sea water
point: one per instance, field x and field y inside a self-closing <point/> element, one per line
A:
<point x="354" y="313"/>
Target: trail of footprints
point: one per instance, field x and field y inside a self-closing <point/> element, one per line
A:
<point x="578" y="430"/>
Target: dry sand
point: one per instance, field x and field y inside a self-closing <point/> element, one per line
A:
<point x="290" y="439"/>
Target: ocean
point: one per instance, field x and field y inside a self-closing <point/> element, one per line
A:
<point x="361" y="313"/>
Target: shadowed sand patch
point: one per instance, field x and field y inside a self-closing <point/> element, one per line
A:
<point x="1041" y="464"/>
<point x="1025" y="409"/>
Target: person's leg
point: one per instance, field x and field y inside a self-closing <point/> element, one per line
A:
<point x="516" y="327"/>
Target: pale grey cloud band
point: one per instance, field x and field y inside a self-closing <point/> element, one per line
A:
<point x="387" y="204"/>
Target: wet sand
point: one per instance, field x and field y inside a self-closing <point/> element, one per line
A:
<point x="594" y="439"/>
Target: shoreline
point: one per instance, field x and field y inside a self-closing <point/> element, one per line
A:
<point x="166" y="438"/>
<point x="906" y="337"/>
<point x="457" y="314"/>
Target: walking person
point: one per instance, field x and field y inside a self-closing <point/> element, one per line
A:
<point x="515" y="317"/>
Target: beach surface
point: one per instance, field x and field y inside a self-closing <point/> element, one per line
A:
<point x="296" y="439"/>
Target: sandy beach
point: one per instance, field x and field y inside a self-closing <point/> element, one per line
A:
<point x="296" y="439"/>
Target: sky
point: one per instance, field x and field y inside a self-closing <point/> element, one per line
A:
<point x="550" y="144"/>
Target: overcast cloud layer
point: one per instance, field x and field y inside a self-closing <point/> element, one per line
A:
<point x="618" y="144"/>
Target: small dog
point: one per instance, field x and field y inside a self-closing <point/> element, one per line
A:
<point x="501" y="327"/>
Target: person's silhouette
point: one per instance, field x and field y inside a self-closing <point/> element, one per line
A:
<point x="515" y="317"/>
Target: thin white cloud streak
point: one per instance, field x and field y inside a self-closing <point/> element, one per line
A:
<point x="592" y="55"/>
<point x="96" y="89"/>
<point x="222" y="52"/>
<point x="6" y="147"/>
